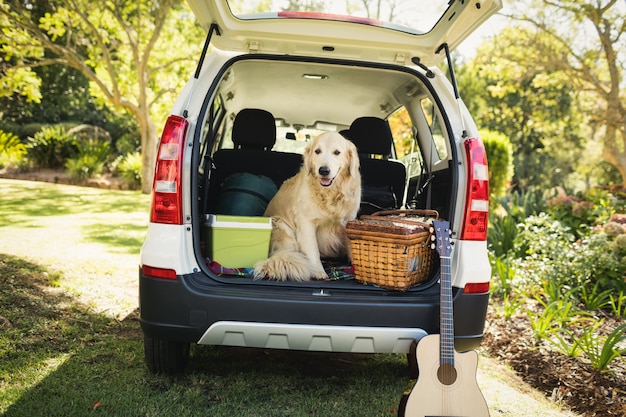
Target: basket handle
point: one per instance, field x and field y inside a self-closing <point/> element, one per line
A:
<point x="426" y="213"/>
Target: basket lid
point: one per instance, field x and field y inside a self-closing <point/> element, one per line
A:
<point x="387" y="226"/>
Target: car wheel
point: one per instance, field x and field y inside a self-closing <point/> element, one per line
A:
<point x="165" y="356"/>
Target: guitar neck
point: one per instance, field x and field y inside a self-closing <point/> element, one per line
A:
<point x="446" y="320"/>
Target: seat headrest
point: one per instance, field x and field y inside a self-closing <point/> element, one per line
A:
<point x="371" y="135"/>
<point x="345" y="133"/>
<point x="254" y="129"/>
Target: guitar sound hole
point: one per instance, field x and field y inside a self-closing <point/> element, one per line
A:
<point x="446" y="374"/>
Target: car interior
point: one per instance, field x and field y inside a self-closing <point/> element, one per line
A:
<point x="265" y="110"/>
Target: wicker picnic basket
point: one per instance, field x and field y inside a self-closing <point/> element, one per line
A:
<point x="392" y="248"/>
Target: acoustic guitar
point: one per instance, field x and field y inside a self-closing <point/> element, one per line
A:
<point x="446" y="385"/>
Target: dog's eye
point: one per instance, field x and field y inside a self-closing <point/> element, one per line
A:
<point x="318" y="151"/>
<point x="337" y="152"/>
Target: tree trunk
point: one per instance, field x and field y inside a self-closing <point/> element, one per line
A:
<point x="613" y="150"/>
<point x="148" y="151"/>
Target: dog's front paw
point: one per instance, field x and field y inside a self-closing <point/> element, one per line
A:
<point x="259" y="273"/>
<point x="266" y="270"/>
<point x="319" y="274"/>
<point x="283" y="266"/>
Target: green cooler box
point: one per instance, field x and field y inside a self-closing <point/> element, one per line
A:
<point x="237" y="241"/>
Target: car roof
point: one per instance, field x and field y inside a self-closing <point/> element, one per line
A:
<point x="417" y="31"/>
<point x="311" y="94"/>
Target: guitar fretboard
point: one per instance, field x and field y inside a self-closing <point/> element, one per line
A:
<point x="446" y="320"/>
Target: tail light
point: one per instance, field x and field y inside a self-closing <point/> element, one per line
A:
<point x="166" y="190"/>
<point x="153" y="272"/>
<point x="477" y="196"/>
<point x="476" y="288"/>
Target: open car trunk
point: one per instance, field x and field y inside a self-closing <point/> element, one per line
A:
<point x="257" y="120"/>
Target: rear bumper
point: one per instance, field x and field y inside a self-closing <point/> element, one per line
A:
<point x="302" y="318"/>
<point x="355" y="339"/>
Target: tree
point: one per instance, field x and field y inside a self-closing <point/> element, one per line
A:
<point x="65" y="99"/>
<point x="534" y="107"/>
<point x="585" y="40"/>
<point x="136" y="54"/>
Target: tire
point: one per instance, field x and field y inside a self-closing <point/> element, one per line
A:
<point x="165" y="356"/>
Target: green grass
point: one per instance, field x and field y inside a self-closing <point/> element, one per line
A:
<point x="71" y="345"/>
<point x="58" y="357"/>
<point x="70" y="342"/>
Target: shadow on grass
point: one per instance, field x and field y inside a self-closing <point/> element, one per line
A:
<point x="59" y="358"/>
<point x="259" y="382"/>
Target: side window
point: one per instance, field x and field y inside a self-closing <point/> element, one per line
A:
<point x="401" y="129"/>
<point x="434" y="122"/>
<point x="212" y="129"/>
<point x="406" y="147"/>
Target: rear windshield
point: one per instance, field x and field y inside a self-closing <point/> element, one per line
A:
<point x="404" y="15"/>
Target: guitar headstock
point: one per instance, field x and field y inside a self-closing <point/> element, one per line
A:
<point x="442" y="240"/>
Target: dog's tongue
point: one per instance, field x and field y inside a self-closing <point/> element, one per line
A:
<point x="326" y="181"/>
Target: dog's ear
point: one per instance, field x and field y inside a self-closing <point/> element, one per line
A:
<point x="306" y="158"/>
<point x="353" y="158"/>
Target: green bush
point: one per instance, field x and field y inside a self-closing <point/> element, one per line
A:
<point x="84" y="167"/>
<point x="500" y="160"/>
<point x="605" y="257"/>
<point x="548" y="252"/>
<point x="512" y="209"/>
<point x="602" y="350"/>
<point x="553" y="257"/>
<point x="130" y="169"/>
<point x="50" y="147"/>
<point x="582" y="211"/>
<point x="129" y="142"/>
<point x="12" y="151"/>
<point x="501" y="234"/>
<point x="89" y="160"/>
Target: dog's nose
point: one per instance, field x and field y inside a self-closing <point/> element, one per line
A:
<point x="324" y="171"/>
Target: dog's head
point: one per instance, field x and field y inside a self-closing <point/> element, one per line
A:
<point x="330" y="156"/>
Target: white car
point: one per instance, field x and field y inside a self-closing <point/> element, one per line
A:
<point x="267" y="81"/>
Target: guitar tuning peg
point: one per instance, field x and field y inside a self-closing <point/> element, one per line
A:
<point x="433" y="237"/>
<point x="432" y="246"/>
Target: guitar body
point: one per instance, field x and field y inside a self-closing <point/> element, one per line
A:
<point x="441" y="392"/>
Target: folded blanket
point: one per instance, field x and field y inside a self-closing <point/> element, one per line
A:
<point x="334" y="270"/>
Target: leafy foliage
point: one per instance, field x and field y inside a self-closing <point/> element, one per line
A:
<point x="602" y="350"/>
<point x="506" y="214"/>
<point x="89" y="160"/>
<point x="553" y="317"/>
<point x="136" y="55"/>
<point x="130" y="169"/>
<point x="12" y="150"/>
<point x="500" y="160"/>
<point x="582" y="40"/>
<point x="532" y="107"/>
<point x="568" y="254"/>
<point x="50" y="147"/>
<point x="584" y="210"/>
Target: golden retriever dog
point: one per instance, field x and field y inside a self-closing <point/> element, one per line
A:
<point x="310" y="211"/>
